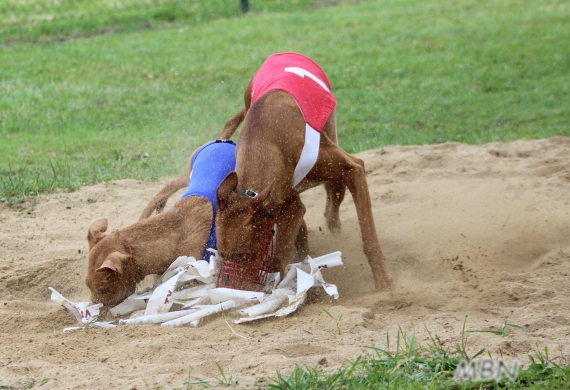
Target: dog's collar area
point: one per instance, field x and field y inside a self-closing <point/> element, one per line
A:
<point x="224" y="141"/>
<point x="250" y="193"/>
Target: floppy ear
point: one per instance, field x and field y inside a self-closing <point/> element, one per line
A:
<point x="116" y="262"/>
<point x="96" y="231"/>
<point x="226" y="187"/>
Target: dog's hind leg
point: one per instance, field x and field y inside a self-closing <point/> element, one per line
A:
<point x="335" y="195"/>
<point x="335" y="189"/>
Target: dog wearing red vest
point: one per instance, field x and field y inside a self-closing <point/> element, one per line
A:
<point x="287" y="144"/>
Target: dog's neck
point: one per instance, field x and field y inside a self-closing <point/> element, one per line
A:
<point x="181" y="231"/>
<point x="269" y="147"/>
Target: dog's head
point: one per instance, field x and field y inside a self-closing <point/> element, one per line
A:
<point x="241" y="220"/>
<point x="108" y="276"/>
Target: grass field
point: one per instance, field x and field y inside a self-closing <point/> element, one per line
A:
<point x="47" y="20"/>
<point x="135" y="104"/>
<point x="54" y="20"/>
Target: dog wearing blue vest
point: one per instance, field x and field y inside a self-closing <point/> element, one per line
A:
<point x="123" y="258"/>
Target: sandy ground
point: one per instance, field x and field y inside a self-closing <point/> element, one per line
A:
<point x="477" y="231"/>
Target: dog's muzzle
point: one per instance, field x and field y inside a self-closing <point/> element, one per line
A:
<point x="250" y="276"/>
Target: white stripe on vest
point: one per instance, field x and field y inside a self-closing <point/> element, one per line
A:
<point x="308" y="155"/>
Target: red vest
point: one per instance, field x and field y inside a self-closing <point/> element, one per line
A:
<point x="303" y="79"/>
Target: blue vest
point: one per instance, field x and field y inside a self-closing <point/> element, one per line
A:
<point x="210" y="166"/>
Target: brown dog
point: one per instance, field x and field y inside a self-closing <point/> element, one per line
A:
<point x="262" y="187"/>
<point x="121" y="259"/>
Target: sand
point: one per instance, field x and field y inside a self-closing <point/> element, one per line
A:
<point x="476" y="231"/>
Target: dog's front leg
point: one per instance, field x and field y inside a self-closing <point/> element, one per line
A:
<point x="355" y="180"/>
<point x="289" y="222"/>
<point x="302" y="242"/>
<point x="334" y="164"/>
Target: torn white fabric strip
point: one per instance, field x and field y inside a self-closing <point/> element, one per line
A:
<point x="199" y="268"/>
<point x="173" y="269"/>
<point x="290" y="278"/>
<point x="198" y="301"/>
<point x="327" y="261"/>
<point x="81" y="310"/>
<point x="310" y="265"/>
<point x="194" y="292"/>
<point x="85" y="313"/>
<point x="90" y="324"/>
<point x="223" y="294"/>
<point x="128" y="306"/>
<point x="304" y="282"/>
<point x="71" y="329"/>
<point x="301" y="277"/>
<point x="279" y="313"/>
<point x="96" y="324"/>
<point x="265" y="307"/>
<point x="224" y="306"/>
<point x="160" y="301"/>
<point x="156" y="318"/>
<point x="280" y="297"/>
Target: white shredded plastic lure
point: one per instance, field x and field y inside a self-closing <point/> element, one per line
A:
<point x="280" y="297"/>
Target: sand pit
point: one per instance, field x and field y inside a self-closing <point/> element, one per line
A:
<point x="482" y="231"/>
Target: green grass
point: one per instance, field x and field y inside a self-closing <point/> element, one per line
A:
<point x="403" y="71"/>
<point x="415" y="367"/>
<point x="402" y="363"/>
<point x="53" y="20"/>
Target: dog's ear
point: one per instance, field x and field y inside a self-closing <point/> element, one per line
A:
<point x="116" y="262"/>
<point x="226" y="187"/>
<point x="262" y="199"/>
<point x="97" y="231"/>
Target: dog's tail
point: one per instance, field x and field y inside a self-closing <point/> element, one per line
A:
<point x="232" y="124"/>
<point x="158" y="203"/>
